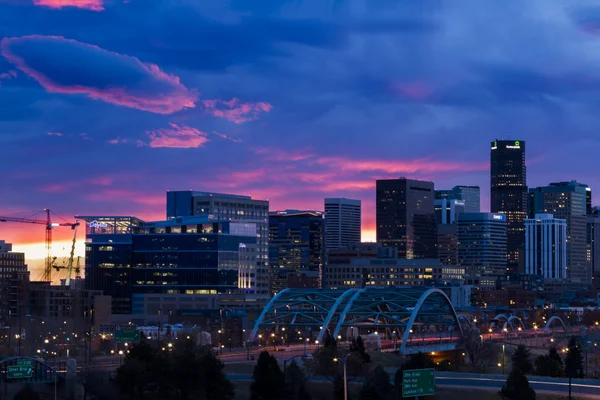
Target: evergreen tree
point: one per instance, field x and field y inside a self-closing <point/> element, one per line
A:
<point x="573" y="362"/>
<point x="549" y="365"/>
<point x="358" y="346"/>
<point x="294" y="380"/>
<point x="329" y="340"/>
<point x="268" y="379"/>
<point x="338" y="387"/>
<point x="517" y="387"/>
<point x="521" y="359"/>
<point x="377" y="386"/>
<point x="553" y="354"/>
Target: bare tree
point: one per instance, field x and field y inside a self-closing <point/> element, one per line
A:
<point x="475" y="348"/>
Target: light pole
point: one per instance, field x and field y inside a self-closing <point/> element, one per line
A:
<point x="503" y="359"/>
<point x="343" y="360"/>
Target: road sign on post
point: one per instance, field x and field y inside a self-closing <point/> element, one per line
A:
<point x="418" y="382"/>
<point x="23" y="369"/>
<point x="130" y="335"/>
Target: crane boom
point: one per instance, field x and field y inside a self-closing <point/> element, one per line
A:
<point x="48" y="243"/>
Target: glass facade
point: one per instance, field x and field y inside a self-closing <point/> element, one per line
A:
<point x="508" y="190"/>
<point x="296" y="246"/>
<point x="179" y="256"/>
<point x="405" y="217"/>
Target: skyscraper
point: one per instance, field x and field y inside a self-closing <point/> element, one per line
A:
<point x="231" y="207"/>
<point x="546" y="246"/>
<point x="508" y="195"/>
<point x="342" y="222"/>
<point x="446" y="214"/>
<point x="296" y="248"/>
<point x="14" y="282"/>
<point x="593" y="246"/>
<point x="482" y="247"/>
<point x="405" y="217"/>
<point x="469" y="194"/>
<point x="567" y="200"/>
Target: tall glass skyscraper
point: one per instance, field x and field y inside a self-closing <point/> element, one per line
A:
<point x="567" y="200"/>
<point x="405" y="217"/>
<point x="508" y="195"/>
<point x="469" y="194"/>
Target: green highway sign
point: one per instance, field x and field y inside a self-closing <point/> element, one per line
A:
<point x="418" y="382"/>
<point x="24" y="362"/>
<point x="19" y="372"/>
<point x="130" y="335"/>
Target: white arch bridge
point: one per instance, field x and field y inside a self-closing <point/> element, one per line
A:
<point x="415" y="318"/>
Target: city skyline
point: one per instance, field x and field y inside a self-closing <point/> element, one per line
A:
<point x="255" y="116"/>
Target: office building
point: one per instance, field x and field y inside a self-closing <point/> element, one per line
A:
<point x="229" y="207"/>
<point x="447" y="243"/>
<point x="446" y="210"/>
<point x="14" y="283"/>
<point x="589" y="210"/>
<point x="567" y="200"/>
<point x="296" y="249"/>
<point x="126" y="256"/>
<point x="482" y="247"/>
<point x="342" y="222"/>
<point x="405" y="217"/>
<point x="383" y="271"/>
<point x="593" y="246"/>
<point x="469" y="194"/>
<point x="508" y="194"/>
<point x="546" y="246"/>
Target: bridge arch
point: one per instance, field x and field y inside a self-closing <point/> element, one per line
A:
<point x="511" y="319"/>
<point x="416" y="310"/>
<point x="465" y="318"/>
<point x="552" y="319"/>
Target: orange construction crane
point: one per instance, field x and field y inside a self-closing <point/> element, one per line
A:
<point x="49" y="225"/>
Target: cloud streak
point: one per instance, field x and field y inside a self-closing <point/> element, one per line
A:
<point x="182" y="137"/>
<point x="66" y="66"/>
<point x="94" y="5"/>
<point x="236" y="111"/>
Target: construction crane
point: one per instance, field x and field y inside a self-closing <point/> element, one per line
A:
<point x="48" y="243"/>
<point x="69" y="266"/>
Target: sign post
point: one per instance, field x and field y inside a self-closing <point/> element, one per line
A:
<point x="130" y="335"/>
<point x="418" y="382"/>
<point x="23" y="369"/>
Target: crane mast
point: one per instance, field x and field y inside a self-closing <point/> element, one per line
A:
<point x="48" y="242"/>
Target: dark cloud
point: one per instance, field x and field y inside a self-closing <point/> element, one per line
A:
<point x="66" y="66"/>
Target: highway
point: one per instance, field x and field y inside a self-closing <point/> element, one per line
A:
<point x="585" y="388"/>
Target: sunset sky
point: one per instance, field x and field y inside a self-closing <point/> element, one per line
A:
<point x="105" y="105"/>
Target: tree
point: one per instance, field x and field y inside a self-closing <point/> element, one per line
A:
<point x="268" y="379"/>
<point x="358" y="346"/>
<point x="549" y="365"/>
<point x="517" y="387"/>
<point x="294" y="381"/>
<point x="521" y="359"/>
<point x="329" y="341"/>
<point x="26" y="394"/>
<point x="477" y="351"/>
<point x="573" y="362"/>
<point x="377" y="386"/>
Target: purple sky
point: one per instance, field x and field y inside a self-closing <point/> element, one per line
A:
<point x="104" y="105"/>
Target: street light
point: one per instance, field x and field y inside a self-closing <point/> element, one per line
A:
<point x="343" y="360"/>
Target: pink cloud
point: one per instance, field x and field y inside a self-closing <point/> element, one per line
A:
<point x="5" y="75"/>
<point x="399" y="167"/>
<point x="413" y="90"/>
<point x="58" y="187"/>
<point x="235" y="111"/>
<point x="94" y="5"/>
<point x="54" y="134"/>
<point x="117" y="140"/>
<point x="126" y="195"/>
<point x="223" y="136"/>
<point x="102" y="181"/>
<point x="177" y="137"/>
<point x="85" y="136"/>
<point x="97" y="73"/>
<point x="275" y="154"/>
